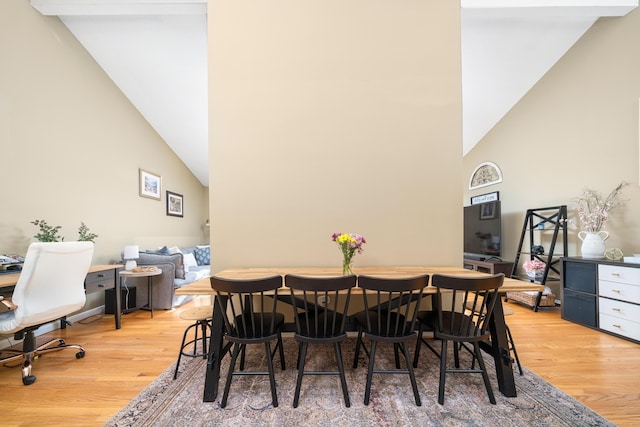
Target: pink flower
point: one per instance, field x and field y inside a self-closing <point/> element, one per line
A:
<point x="593" y="210"/>
<point x="534" y="265"/>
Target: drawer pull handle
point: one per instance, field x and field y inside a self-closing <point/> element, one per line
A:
<point x="617" y="291"/>
<point x="617" y="326"/>
<point x="100" y="285"/>
<point x="616" y="309"/>
<point x="615" y="274"/>
<point x="100" y="275"/>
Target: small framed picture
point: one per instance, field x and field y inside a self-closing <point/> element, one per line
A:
<point x="174" y="204"/>
<point x="150" y="185"/>
<point x="488" y="210"/>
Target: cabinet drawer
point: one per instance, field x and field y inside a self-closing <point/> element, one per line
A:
<point x="621" y="291"/>
<point x="579" y="308"/>
<point x="618" y="326"/>
<point x="615" y="273"/>
<point x="579" y="276"/>
<point x="100" y="280"/>
<point x="619" y="309"/>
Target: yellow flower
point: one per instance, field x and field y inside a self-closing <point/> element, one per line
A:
<point x="345" y="238"/>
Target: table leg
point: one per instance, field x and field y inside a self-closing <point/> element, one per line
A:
<point x="500" y="351"/>
<point x="214" y="358"/>
<point x="118" y="297"/>
<point x="150" y="293"/>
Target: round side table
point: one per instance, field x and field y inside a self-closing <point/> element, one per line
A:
<point x="149" y="275"/>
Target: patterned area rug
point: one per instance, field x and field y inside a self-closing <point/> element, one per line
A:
<point x="168" y="402"/>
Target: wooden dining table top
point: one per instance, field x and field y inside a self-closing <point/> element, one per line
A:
<point x="203" y="286"/>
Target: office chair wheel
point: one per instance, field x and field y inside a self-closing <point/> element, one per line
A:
<point x="28" y="380"/>
<point x="80" y="355"/>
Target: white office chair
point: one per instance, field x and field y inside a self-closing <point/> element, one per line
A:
<point x="50" y="286"/>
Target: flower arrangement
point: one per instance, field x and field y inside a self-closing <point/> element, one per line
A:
<point x="534" y="265"/>
<point x="534" y="269"/>
<point x="349" y="244"/>
<point x="593" y="210"/>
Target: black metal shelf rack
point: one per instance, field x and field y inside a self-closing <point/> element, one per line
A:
<point x="536" y="221"/>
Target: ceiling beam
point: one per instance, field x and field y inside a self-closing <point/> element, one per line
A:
<point x="120" y="7"/>
<point x="180" y="7"/>
<point x="549" y="8"/>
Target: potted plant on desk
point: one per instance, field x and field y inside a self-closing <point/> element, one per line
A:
<point x="50" y="233"/>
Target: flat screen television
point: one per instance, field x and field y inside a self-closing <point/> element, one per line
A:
<point x="483" y="231"/>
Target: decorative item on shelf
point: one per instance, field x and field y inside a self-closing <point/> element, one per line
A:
<point x="536" y="275"/>
<point x="537" y="249"/>
<point x="349" y="244"/>
<point x="593" y="244"/>
<point x="534" y="269"/>
<point x="614" y="254"/>
<point x="593" y="212"/>
<point x="130" y="254"/>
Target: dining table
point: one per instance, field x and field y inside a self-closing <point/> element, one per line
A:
<point x="497" y="347"/>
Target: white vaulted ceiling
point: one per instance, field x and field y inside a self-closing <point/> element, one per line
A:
<point x="156" y="53"/>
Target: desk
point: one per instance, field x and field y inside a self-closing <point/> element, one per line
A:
<point x="499" y="345"/>
<point x="99" y="278"/>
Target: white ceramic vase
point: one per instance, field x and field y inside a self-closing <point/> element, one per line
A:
<point x="593" y="243"/>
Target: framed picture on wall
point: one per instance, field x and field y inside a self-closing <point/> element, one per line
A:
<point x="150" y="185"/>
<point x="174" y="204"/>
<point x="488" y="210"/>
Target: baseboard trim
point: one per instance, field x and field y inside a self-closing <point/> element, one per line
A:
<point x="8" y="340"/>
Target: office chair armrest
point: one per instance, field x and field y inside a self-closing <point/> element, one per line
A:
<point x="7" y="305"/>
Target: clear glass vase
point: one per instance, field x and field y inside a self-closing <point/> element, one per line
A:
<point x="346" y="267"/>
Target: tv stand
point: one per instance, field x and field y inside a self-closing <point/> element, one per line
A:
<point x="489" y="266"/>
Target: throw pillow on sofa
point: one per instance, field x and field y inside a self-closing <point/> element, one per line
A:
<point x="203" y="255"/>
<point x="160" y="251"/>
<point x="189" y="261"/>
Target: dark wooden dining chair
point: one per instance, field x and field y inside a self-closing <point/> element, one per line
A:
<point x="389" y="317"/>
<point x="321" y="314"/>
<point x="463" y="310"/>
<point x="248" y="309"/>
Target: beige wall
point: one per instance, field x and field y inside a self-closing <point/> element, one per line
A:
<point x="72" y="144"/>
<point x="577" y="128"/>
<point x="332" y="116"/>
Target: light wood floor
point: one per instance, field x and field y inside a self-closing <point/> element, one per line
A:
<point x="601" y="371"/>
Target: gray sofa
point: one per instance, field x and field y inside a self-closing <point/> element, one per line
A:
<point x="174" y="275"/>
